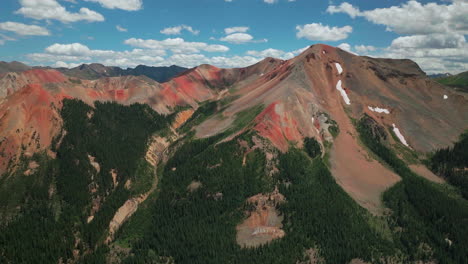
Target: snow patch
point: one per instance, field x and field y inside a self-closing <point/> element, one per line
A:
<point x="399" y="135"/>
<point x="343" y="93"/>
<point x="379" y="110"/>
<point x="338" y="67"/>
<point x="445" y="97"/>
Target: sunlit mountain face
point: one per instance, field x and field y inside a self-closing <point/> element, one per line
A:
<point x="192" y="132"/>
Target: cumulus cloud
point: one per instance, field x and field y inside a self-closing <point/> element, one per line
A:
<point x="23" y="29"/>
<point x="241" y="38"/>
<point x="317" y="31"/>
<point x="121" y="29"/>
<point x="413" y="18"/>
<point x="71" y="55"/>
<point x="192" y="60"/>
<point x="231" y="30"/>
<point x="77" y="53"/>
<point x="176" y="45"/>
<point x="345" y="46"/>
<point x="61" y="64"/>
<point x="364" y="49"/>
<point x="344" y="8"/>
<point x="238" y="38"/>
<point x="178" y="29"/>
<point x="127" y="5"/>
<point x="434" y="41"/>
<point x="433" y="33"/>
<point x="434" y="53"/>
<point x="74" y="49"/>
<point x="238" y="35"/>
<point x="275" y="53"/>
<point x="74" y="54"/>
<point x="51" y="9"/>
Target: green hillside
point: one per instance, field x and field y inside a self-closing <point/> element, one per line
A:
<point x="459" y="81"/>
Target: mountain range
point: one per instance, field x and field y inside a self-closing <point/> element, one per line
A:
<point x="327" y="157"/>
<point x="95" y="71"/>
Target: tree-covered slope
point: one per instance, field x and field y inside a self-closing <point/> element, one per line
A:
<point x="47" y="201"/>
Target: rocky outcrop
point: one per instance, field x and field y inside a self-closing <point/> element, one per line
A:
<point x="263" y="223"/>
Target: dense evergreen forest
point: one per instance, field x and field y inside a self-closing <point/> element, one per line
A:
<point x="196" y="227"/>
<point x="452" y="164"/>
<point x="428" y="221"/>
<point x="44" y="216"/>
<point x="56" y="200"/>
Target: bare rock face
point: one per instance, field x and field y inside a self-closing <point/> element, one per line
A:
<point x="155" y="150"/>
<point x="263" y="223"/>
<point x="122" y="215"/>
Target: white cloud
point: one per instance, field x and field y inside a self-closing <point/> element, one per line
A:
<point x="317" y="31"/>
<point x="275" y="53"/>
<point x="216" y="48"/>
<point x="77" y="53"/>
<point x="176" y="45"/>
<point x="128" y="5"/>
<point x="178" y="29"/>
<point x="266" y="53"/>
<point x="344" y="8"/>
<point x="23" y="29"/>
<point x="238" y="35"/>
<point x="74" y="49"/>
<point x="71" y="55"/>
<point x="74" y="54"/>
<point x="61" y="64"/>
<point x="434" y="53"/>
<point x="231" y="30"/>
<point x="345" y="46"/>
<point x="238" y="38"/>
<point x="434" y="41"/>
<point x="364" y="49"/>
<point x="414" y="18"/>
<point x="434" y="33"/>
<point x="51" y="9"/>
<point x="121" y="29"/>
<point x="192" y="60"/>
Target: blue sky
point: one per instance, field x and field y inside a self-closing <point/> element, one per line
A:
<point x="231" y="33"/>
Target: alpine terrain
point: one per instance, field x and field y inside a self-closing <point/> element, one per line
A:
<point x="327" y="157"/>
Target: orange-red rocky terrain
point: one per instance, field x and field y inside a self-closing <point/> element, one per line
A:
<point x="301" y="97"/>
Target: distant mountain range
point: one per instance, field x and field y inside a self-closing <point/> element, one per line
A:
<point x="13" y="66"/>
<point x="439" y="75"/>
<point x="95" y="71"/>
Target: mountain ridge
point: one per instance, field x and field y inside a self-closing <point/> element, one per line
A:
<point x="206" y="143"/>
